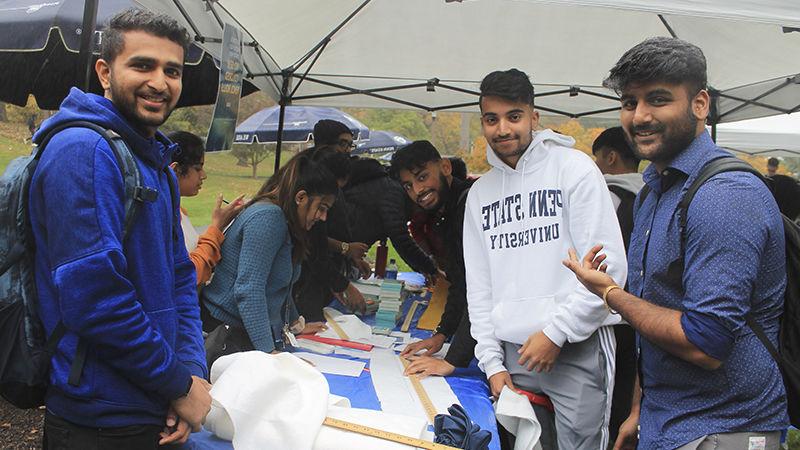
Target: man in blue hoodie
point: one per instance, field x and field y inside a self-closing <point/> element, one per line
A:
<point x="131" y="302"/>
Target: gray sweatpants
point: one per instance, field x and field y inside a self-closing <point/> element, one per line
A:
<point x="579" y="385"/>
<point x="769" y="440"/>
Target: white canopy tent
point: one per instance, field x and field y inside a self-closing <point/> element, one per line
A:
<point x="432" y="54"/>
<point x="767" y="136"/>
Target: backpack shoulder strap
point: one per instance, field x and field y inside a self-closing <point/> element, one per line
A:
<point x="643" y="193"/>
<point x="621" y="192"/>
<point x="462" y="197"/>
<point x="715" y="167"/>
<point x="135" y="193"/>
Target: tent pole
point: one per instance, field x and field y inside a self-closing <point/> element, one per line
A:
<point x="713" y="112"/>
<point x="87" y="39"/>
<point x="281" y="117"/>
<point x="284" y="100"/>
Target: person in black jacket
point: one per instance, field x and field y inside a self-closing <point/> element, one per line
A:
<point x="620" y="166"/>
<point x="321" y="277"/>
<point x="428" y="181"/>
<point x="377" y="209"/>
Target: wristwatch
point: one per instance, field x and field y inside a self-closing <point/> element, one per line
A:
<point x="188" y="388"/>
<point x="345" y="247"/>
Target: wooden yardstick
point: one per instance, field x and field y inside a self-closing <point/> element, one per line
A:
<point x="385" y="435"/>
<point x="427" y="404"/>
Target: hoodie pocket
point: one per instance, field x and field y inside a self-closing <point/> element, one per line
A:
<point x="515" y="320"/>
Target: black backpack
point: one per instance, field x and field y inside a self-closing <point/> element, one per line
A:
<point x="25" y="350"/>
<point x="787" y="354"/>
<point x="627" y="199"/>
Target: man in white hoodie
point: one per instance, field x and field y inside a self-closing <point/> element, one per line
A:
<point x="537" y="329"/>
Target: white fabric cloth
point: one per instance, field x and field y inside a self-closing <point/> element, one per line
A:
<point x="519" y="225"/>
<point x="515" y="414"/>
<point x="266" y="401"/>
<point x="262" y="401"/>
<point x="190" y="236"/>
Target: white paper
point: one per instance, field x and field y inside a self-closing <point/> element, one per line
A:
<point x="396" y="393"/>
<point x="405" y="336"/>
<point x="316" y="347"/>
<point x="332" y="365"/>
<point x="352" y="326"/>
<point x="440" y="354"/>
<point x="379" y="341"/>
<point x="351" y="352"/>
<point x="356" y="330"/>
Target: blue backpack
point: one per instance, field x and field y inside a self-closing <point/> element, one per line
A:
<point x="25" y="350"/>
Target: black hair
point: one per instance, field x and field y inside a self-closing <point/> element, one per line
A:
<point x="337" y="162"/>
<point x="327" y="132"/>
<point x="660" y="59"/>
<point x="413" y="156"/>
<point x="773" y="161"/>
<point x="512" y="85"/>
<point x="614" y="139"/>
<point x="190" y="150"/>
<point x="300" y="173"/>
<point x="459" y="167"/>
<point x="135" y="19"/>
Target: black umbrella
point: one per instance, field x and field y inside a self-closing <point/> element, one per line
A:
<point x="39" y="54"/>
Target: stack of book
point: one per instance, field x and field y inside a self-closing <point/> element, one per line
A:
<point x="390" y="305"/>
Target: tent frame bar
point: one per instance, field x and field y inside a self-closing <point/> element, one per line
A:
<point x="667" y="26"/>
<point x="199" y="37"/>
<point x="755" y="100"/>
<point x="287" y="96"/>
<point x="289" y="73"/>
<point x="324" y="42"/>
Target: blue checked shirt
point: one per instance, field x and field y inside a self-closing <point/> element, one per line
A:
<point x="734" y="265"/>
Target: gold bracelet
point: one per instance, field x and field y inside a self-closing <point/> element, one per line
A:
<point x="605" y="297"/>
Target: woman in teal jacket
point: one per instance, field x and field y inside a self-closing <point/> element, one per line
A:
<point x="262" y="252"/>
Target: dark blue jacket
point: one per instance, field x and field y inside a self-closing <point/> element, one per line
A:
<point x="134" y="303"/>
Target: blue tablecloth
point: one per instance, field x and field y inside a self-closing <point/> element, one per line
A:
<point x="469" y="385"/>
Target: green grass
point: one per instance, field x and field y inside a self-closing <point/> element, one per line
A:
<point x="11" y="148"/>
<point x="793" y="440"/>
<point x="224" y="176"/>
<point x="401" y="265"/>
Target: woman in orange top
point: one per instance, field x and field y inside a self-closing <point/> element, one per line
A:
<point x="204" y="250"/>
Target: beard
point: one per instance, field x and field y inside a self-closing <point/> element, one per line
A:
<point x="674" y="139"/>
<point x="126" y="104"/>
<point x="443" y="193"/>
<point x="519" y="151"/>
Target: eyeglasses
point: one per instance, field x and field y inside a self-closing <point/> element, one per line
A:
<point x="344" y="143"/>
